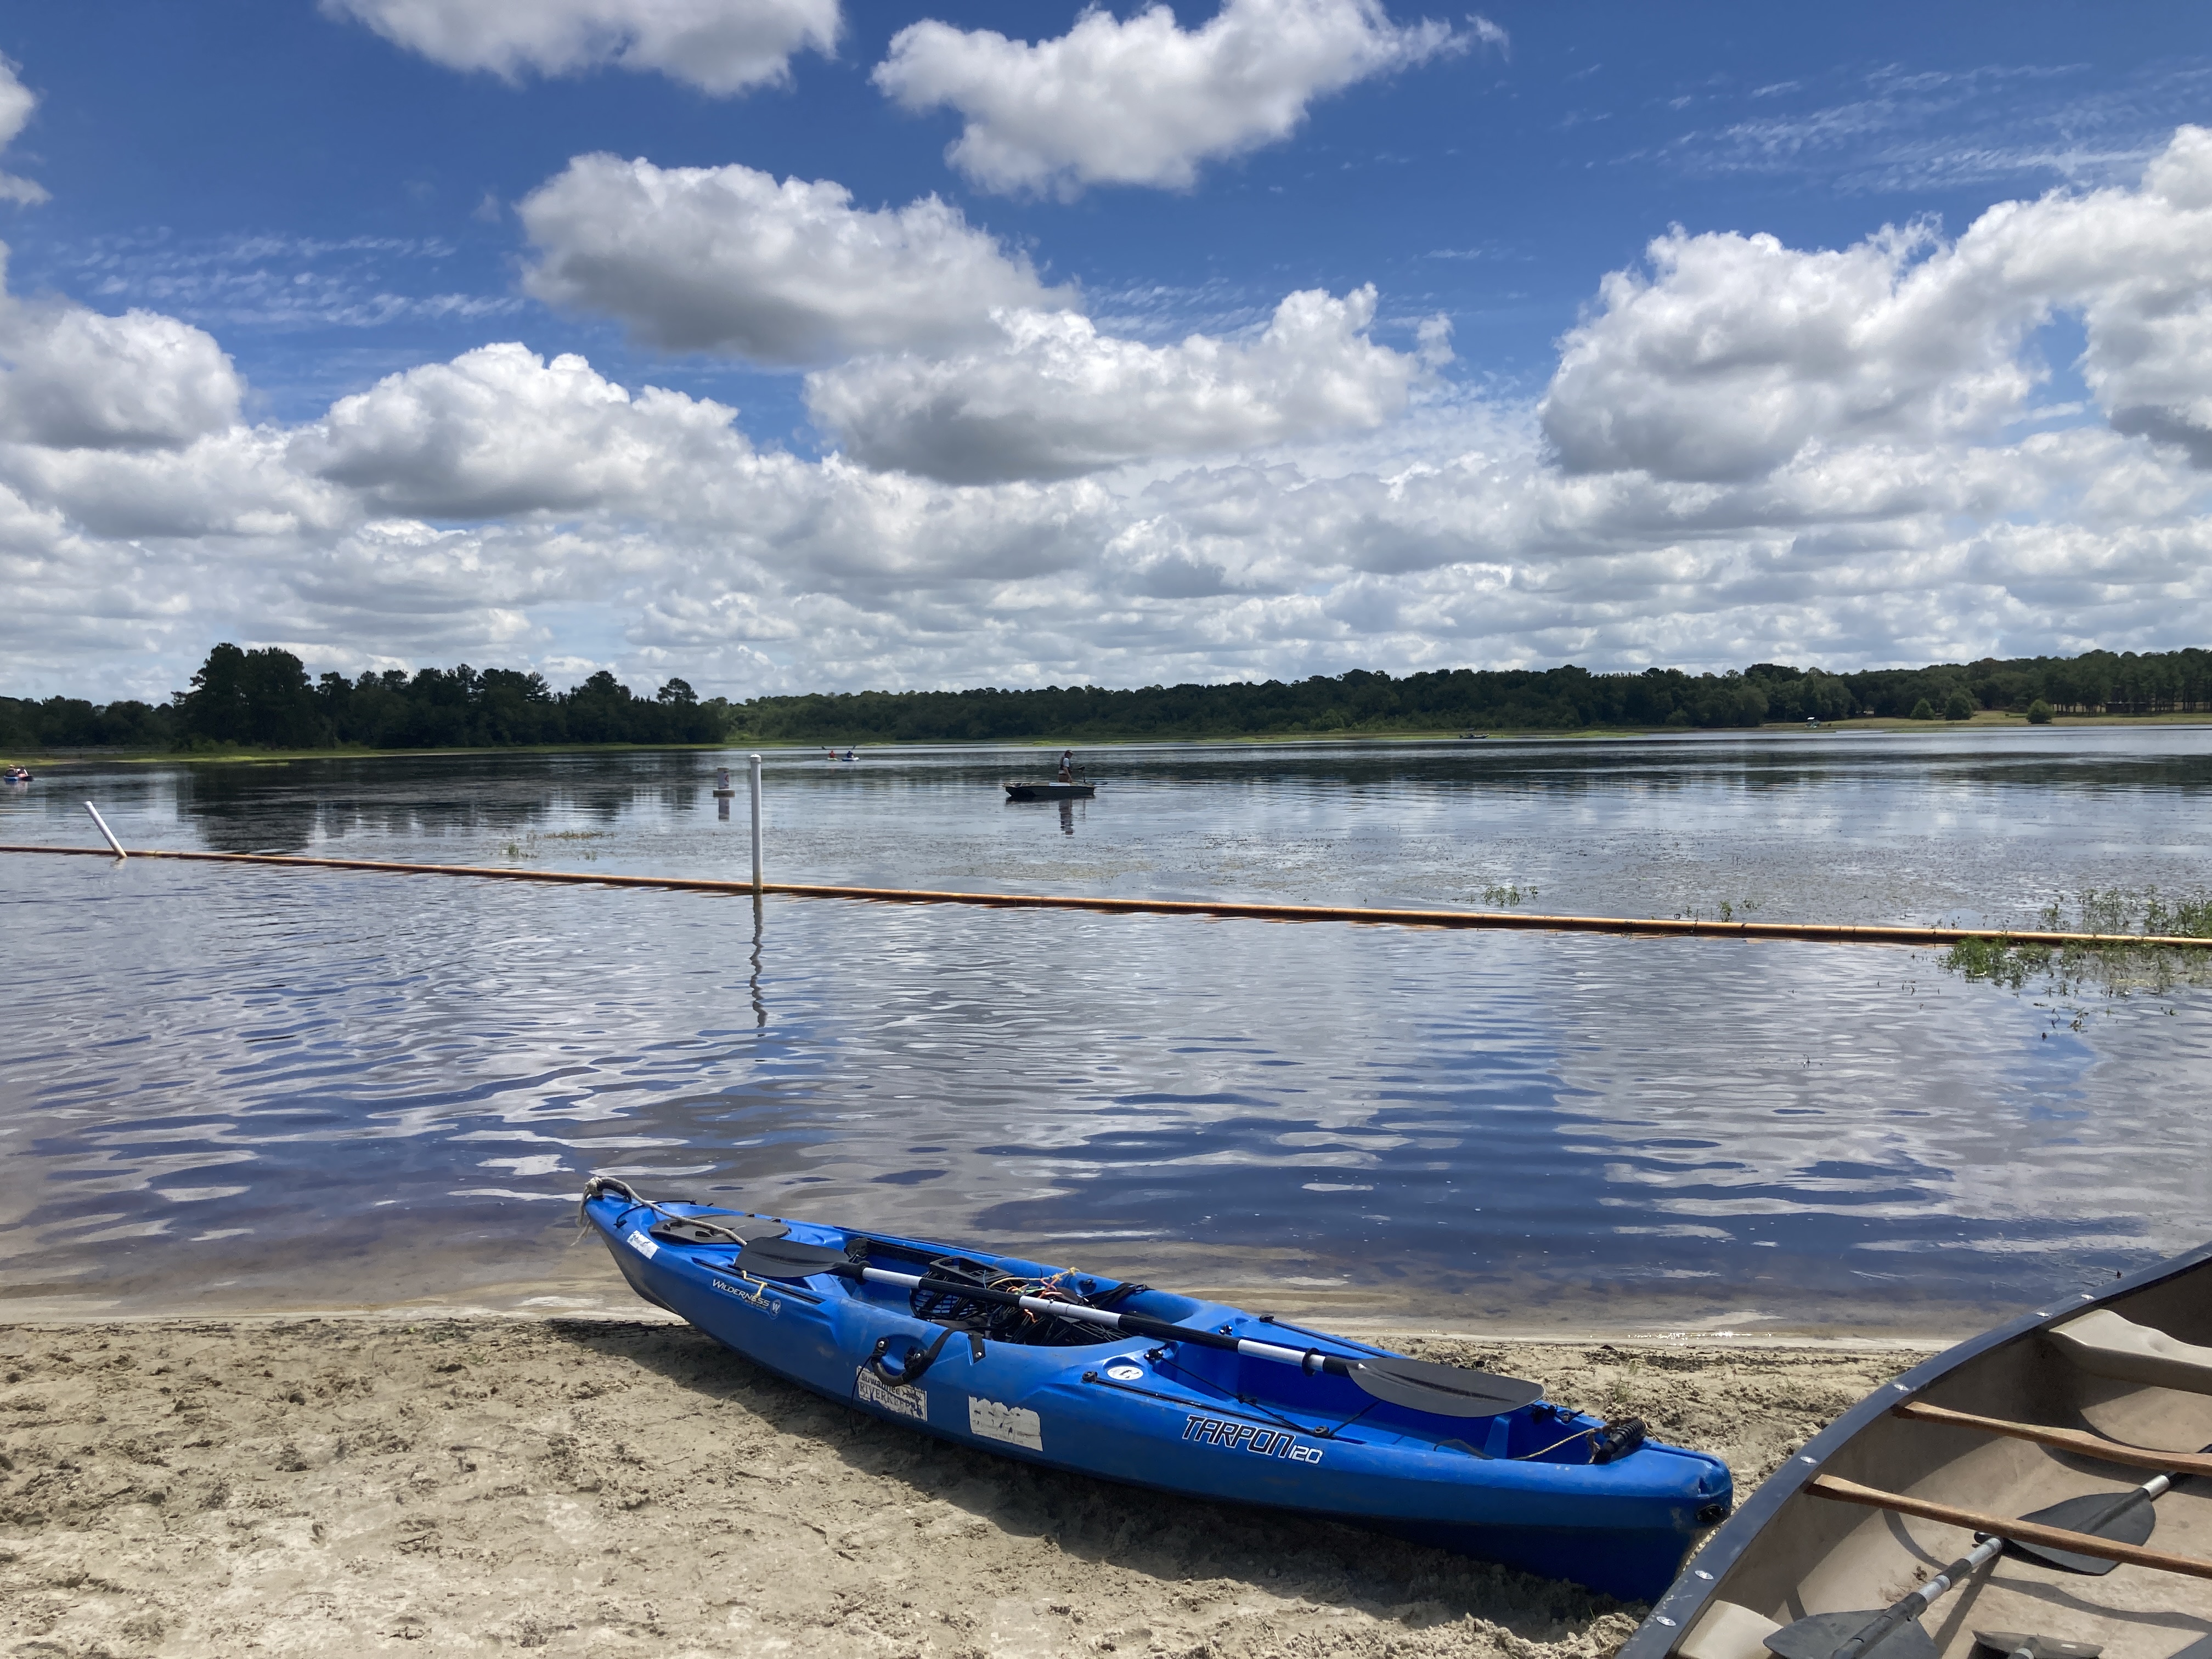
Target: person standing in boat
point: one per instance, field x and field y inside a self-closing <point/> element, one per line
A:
<point x="1067" y="766"/>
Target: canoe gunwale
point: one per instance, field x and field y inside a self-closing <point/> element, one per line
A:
<point x="1676" y="1612"/>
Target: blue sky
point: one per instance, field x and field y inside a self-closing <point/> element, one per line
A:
<point x="985" y="446"/>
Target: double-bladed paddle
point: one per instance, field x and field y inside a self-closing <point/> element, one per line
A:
<point x="1894" y="1632"/>
<point x="1419" y="1384"/>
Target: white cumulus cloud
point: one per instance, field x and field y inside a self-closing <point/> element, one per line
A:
<point x="728" y="259"/>
<point x="1141" y="100"/>
<point x="1819" y="458"/>
<point x="16" y="103"/>
<point x="1735" y="353"/>
<point x="71" y="378"/>
<point x="500" y="430"/>
<point x="720" y="46"/>
<point x="1055" y="398"/>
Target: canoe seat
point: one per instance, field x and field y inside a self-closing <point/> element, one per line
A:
<point x="2105" y="1344"/>
<point x="1726" y="1630"/>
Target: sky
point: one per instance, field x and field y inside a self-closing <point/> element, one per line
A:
<point x="785" y="345"/>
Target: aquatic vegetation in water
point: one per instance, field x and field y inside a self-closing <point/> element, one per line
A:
<point x="1506" y="894"/>
<point x="527" y="847"/>
<point x="2119" y="965"/>
<point x="1725" y="910"/>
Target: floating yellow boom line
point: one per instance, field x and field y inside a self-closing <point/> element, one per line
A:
<point x="1510" y="920"/>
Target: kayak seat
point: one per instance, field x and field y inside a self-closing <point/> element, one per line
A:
<point x="2104" y="1344"/>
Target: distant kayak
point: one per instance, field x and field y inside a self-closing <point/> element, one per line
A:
<point x="1050" y="791"/>
<point x="1117" y="1380"/>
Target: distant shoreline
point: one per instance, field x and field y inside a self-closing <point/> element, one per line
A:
<point x="1982" y="721"/>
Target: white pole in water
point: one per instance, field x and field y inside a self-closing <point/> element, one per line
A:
<point x="120" y="853"/>
<point x="756" y="827"/>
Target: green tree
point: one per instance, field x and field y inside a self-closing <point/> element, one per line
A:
<point x="2038" y="713"/>
<point x="252" y="698"/>
<point x="1959" y="706"/>
<point x="1922" y="710"/>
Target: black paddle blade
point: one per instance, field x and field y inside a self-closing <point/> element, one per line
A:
<point x="787" y="1258"/>
<point x="1444" y="1390"/>
<point x="2036" y="1647"/>
<point x="1820" y="1635"/>
<point x="2124" y="1517"/>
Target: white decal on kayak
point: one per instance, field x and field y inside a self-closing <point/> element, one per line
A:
<point x="753" y="1293"/>
<point x="1249" y="1436"/>
<point x="1011" y="1424"/>
<point x="644" y="1245"/>
<point x="891" y="1396"/>
<point x="1125" y="1373"/>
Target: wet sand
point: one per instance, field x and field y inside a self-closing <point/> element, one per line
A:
<point x="365" y="1484"/>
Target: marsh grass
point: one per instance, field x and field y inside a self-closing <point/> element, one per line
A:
<point x="2122" y="967"/>
<point x="1506" y="894"/>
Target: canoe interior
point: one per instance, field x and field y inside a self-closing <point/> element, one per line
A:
<point x="1816" y="1555"/>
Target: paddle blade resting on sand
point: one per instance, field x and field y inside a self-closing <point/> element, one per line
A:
<point x="1443" y="1390"/>
<point x="1820" y="1635"/>
<point x="2123" y="1517"/>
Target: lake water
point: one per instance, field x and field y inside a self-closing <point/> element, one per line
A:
<point x="231" y="1087"/>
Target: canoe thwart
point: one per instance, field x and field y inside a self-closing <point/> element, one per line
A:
<point x="2104" y="1344"/>
<point x="2070" y="1440"/>
<point x="2008" y="1527"/>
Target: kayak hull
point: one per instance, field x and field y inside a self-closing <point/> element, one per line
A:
<point x="1196" y="1422"/>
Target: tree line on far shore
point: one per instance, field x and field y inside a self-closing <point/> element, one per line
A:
<point x="264" y="699"/>
<point x="1535" y="699"/>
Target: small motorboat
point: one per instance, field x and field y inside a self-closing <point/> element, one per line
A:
<point x="1050" y="791"/>
<point x="1128" y="1383"/>
<point x="16" y="775"/>
<point x="2029" y="1489"/>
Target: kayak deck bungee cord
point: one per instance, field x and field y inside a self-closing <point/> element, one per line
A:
<point x="1149" y="1389"/>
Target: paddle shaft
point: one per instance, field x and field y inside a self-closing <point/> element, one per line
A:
<point x="1306" y="1359"/>
<point x="1913" y="1605"/>
<point x="1885" y="1624"/>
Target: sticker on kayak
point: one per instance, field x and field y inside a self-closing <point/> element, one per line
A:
<point x="891" y="1396"/>
<point x="749" y="1292"/>
<point x="644" y="1245"/>
<point x="1011" y="1424"/>
<point x="1125" y="1373"/>
<point x="1249" y="1436"/>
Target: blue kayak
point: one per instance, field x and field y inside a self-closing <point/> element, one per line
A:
<point x="1189" y="1397"/>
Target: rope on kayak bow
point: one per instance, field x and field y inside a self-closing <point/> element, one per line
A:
<point x="1612" y="1438"/>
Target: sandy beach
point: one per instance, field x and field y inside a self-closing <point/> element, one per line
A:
<point x="372" y="1484"/>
